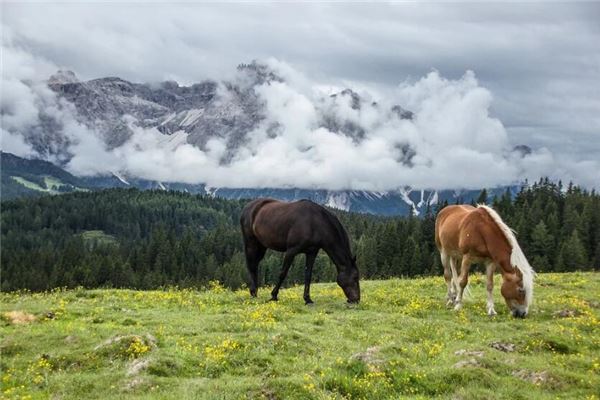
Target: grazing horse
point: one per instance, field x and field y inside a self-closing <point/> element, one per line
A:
<point x="478" y="234"/>
<point x="293" y="228"/>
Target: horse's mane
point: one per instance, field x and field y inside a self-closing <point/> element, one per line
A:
<point x="517" y="258"/>
<point x="337" y="225"/>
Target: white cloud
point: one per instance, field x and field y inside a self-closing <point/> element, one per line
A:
<point x="534" y="83"/>
<point x="15" y="144"/>
<point x="457" y="145"/>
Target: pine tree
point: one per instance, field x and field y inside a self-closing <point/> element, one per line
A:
<point x="572" y="254"/>
<point x="483" y="197"/>
<point x="541" y="246"/>
<point x="366" y="256"/>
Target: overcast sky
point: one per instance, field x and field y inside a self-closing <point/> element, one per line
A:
<point x="539" y="61"/>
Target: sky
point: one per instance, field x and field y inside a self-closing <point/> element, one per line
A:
<point x="529" y="72"/>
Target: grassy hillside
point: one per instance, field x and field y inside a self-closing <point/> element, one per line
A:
<point x="22" y="177"/>
<point x="400" y="342"/>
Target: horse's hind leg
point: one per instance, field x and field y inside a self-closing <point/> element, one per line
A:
<point x="310" y="262"/>
<point x="489" y="272"/>
<point x="448" y="277"/>
<point x="287" y="263"/>
<point x="254" y="254"/>
<point x="463" y="279"/>
<point x="454" y="278"/>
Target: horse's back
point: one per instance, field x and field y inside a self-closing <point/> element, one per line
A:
<point x="279" y="225"/>
<point x="465" y="229"/>
<point x="448" y="226"/>
<point x="249" y="213"/>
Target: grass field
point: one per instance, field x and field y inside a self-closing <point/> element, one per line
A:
<point x="52" y="184"/>
<point x="401" y="342"/>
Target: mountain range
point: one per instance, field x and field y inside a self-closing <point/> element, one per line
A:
<point x="24" y="177"/>
<point x="194" y="114"/>
<point x="227" y="110"/>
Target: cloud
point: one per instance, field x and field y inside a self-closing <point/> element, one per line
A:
<point x="451" y="142"/>
<point x="15" y="144"/>
<point x="534" y="83"/>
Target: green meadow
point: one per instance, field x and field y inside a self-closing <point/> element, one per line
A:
<point x="400" y="342"/>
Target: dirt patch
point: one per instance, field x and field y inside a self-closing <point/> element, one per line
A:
<point x="471" y="353"/>
<point x="19" y="317"/>
<point x="537" y="378"/>
<point x="502" y="346"/>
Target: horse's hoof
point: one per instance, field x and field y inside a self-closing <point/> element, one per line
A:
<point x="273" y="299"/>
<point x="457" y="307"/>
<point x="492" y="313"/>
<point x="308" y="302"/>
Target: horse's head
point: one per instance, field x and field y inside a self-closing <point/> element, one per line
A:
<point x="515" y="293"/>
<point x="348" y="280"/>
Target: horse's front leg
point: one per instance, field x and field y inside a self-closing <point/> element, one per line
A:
<point x="450" y="294"/>
<point x="310" y="262"/>
<point x="287" y="263"/>
<point x="489" y="271"/>
<point x="463" y="279"/>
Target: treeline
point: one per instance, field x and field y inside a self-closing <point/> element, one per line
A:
<point x="149" y="239"/>
<point x="558" y="227"/>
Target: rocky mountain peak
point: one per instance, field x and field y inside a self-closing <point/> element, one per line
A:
<point x="522" y="150"/>
<point x="355" y="98"/>
<point x="228" y="110"/>
<point x="62" y="77"/>
<point x="259" y="73"/>
<point x="402" y="113"/>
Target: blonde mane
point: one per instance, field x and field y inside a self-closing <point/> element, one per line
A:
<point x="517" y="258"/>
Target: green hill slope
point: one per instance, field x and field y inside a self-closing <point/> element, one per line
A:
<point x="26" y="178"/>
<point x="401" y="342"/>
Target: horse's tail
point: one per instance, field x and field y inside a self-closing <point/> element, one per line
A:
<point x="467" y="291"/>
<point x="455" y="283"/>
<point x="517" y="258"/>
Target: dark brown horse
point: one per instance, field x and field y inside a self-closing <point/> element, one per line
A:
<point x="294" y="228"/>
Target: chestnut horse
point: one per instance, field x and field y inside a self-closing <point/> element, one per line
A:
<point x="478" y="234"/>
<point x="294" y="228"/>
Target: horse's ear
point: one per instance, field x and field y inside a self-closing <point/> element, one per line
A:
<point x="519" y="274"/>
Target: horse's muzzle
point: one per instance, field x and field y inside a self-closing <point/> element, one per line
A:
<point x="519" y="314"/>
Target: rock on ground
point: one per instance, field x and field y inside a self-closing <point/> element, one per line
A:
<point x="137" y="366"/>
<point x="369" y="357"/>
<point x="467" y="363"/>
<point x="505" y="347"/>
<point x="536" y="378"/>
<point x="473" y="353"/>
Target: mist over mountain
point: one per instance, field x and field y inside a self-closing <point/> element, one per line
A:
<point x="272" y="127"/>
